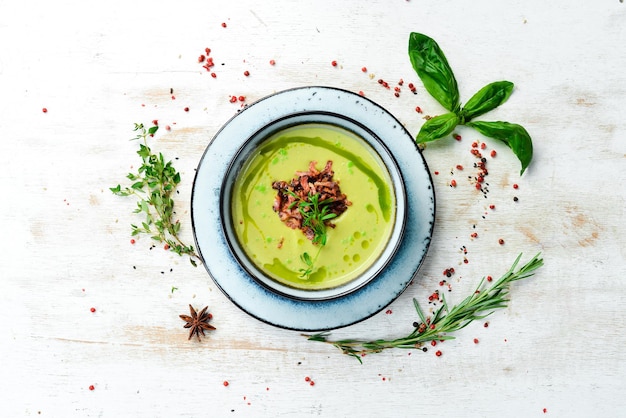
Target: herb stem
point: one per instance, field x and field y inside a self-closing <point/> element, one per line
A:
<point x="480" y="304"/>
<point x="154" y="184"/>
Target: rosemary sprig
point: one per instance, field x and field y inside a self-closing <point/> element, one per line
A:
<point x="480" y="304"/>
<point x="154" y="184"/>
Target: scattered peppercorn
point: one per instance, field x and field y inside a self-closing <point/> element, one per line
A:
<point x="186" y="109"/>
<point x="92" y="310"/>
<point x="44" y="110"/>
<point x="334" y="63"/>
<point x="501" y="241"/>
<point x="223" y="24"/>
<point x="515" y="186"/>
<point x="246" y="73"/>
<point x="475" y="340"/>
<point x="493" y="153"/>
<point x="515" y="199"/>
<point x="91" y="387"/>
<point x="226" y="383"/>
<point x="438" y="353"/>
<point x="272" y="62"/>
<point x="364" y="69"/>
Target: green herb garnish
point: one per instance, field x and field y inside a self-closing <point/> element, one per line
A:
<point x="154" y="184"/>
<point x="433" y="69"/>
<point x="478" y="305"/>
<point x="315" y="215"/>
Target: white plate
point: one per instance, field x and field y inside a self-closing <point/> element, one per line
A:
<point x="311" y="314"/>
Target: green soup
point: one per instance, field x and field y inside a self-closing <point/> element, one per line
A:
<point x="361" y="232"/>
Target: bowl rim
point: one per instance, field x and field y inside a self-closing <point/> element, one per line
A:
<point x="388" y="163"/>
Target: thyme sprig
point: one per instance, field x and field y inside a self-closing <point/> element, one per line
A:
<point x="154" y="185"/>
<point x="480" y="304"/>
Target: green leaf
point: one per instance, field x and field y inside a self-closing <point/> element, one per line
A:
<point x="153" y="130"/>
<point x="144" y="151"/>
<point x="116" y="189"/>
<point x="437" y="127"/>
<point x="138" y="185"/>
<point x="513" y="135"/>
<point x="306" y="259"/>
<point x="431" y="65"/>
<point x="419" y="311"/>
<point x="486" y="99"/>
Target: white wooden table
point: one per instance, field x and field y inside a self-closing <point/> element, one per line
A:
<point x="557" y="350"/>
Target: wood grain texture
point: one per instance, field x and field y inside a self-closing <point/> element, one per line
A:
<point x="98" y="68"/>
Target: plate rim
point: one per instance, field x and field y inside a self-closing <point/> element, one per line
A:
<point x="306" y="307"/>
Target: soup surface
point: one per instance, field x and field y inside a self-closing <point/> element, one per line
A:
<point x="360" y="233"/>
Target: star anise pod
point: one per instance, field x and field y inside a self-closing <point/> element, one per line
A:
<point x="197" y="322"/>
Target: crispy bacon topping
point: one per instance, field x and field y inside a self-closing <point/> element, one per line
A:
<point x="301" y="188"/>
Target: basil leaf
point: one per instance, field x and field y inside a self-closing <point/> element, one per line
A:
<point x="486" y="99"/>
<point x="437" y="127"/>
<point x="433" y="69"/>
<point x="513" y="135"/>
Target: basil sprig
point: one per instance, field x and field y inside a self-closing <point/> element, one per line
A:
<point x="433" y="69"/>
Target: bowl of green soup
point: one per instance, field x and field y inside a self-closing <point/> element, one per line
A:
<point x="312" y="209"/>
